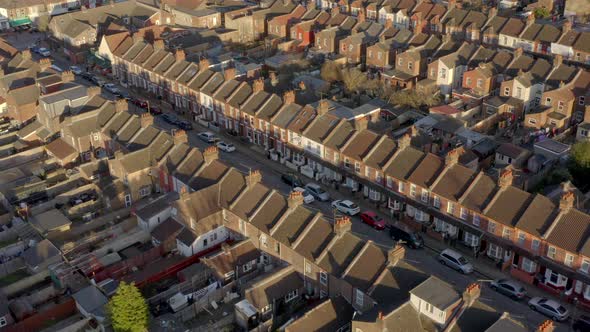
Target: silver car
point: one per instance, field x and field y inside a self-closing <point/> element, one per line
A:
<point x="549" y="308"/>
<point x="317" y="192"/>
<point x="455" y="261"/>
<point x="509" y="288"/>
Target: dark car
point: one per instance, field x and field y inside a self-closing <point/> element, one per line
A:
<point x="86" y="76"/>
<point x="582" y="324"/>
<point x="155" y="111"/>
<point x="184" y="125"/>
<point x="292" y="180"/>
<point x="401" y="232"/>
<point x="169" y="119"/>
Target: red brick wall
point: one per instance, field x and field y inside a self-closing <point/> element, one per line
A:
<point x="38" y="321"/>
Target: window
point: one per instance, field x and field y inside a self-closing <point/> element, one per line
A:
<point x="413" y="190"/>
<point x="494" y="251"/>
<point x="535" y="244"/>
<point x="506" y="91"/>
<point x="470" y="239"/>
<point x="551" y="252"/>
<point x="436" y="202"/>
<point x="424" y="195"/>
<point x="547" y="101"/>
<point x="560" y="105"/>
<point x="410" y="65"/>
<point x="569" y="260"/>
<point x="528" y="265"/>
<point x="205" y="242"/>
<point x="463" y="214"/>
<point x="479" y="83"/>
<point x="323" y="278"/>
<point x="429" y="307"/>
<point x="127" y="200"/>
<point x="378" y="177"/>
<point x="521" y="238"/>
<point x="443" y="73"/>
<point x="401" y="187"/>
<point x="450" y="207"/>
<point x="357" y="167"/>
<point x="506" y="233"/>
<point x="307" y="267"/>
<point x="213" y="237"/>
<point x="291" y="295"/>
<point x="468" y="81"/>
<point x="532" y="121"/>
<point x="476" y="219"/>
<point x="143" y="192"/>
<point x="248" y="266"/>
<point x="359" y="298"/>
<point x="518" y="92"/>
<point x="400" y="61"/>
<point x="492" y="227"/>
<point x="346" y="163"/>
<point x="389" y="182"/>
<point x="581" y="100"/>
<point x="263" y="240"/>
<point x="585" y="266"/>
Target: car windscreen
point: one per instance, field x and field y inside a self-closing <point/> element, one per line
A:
<point x="353" y="206"/>
<point x="462" y="260"/>
<point x="561" y="309"/>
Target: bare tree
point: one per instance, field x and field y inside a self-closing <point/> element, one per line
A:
<point x="354" y="80"/>
<point x="330" y="72"/>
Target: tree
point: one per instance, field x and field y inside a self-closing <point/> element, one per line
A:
<point x="579" y="165"/>
<point x="354" y="80"/>
<point x="128" y="310"/>
<point x="330" y="72"/>
<point x="541" y="12"/>
<point x="412" y="98"/>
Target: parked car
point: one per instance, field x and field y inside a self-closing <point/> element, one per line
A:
<point x="185" y="125"/>
<point x="307" y="197"/>
<point x="292" y="180"/>
<point x="207" y="136"/>
<point x="86" y="76"/>
<point x="227" y="147"/>
<point x="155" y="111"/>
<point x="110" y="87"/>
<point x="56" y="68"/>
<point x="582" y="324"/>
<point x="169" y="119"/>
<point x="549" y="308"/>
<point x="76" y="70"/>
<point x="346" y="207"/>
<point x="44" y="51"/>
<point x="124" y="95"/>
<point x="455" y="261"/>
<point x="509" y="288"/>
<point x="317" y="192"/>
<point x="401" y="232"/>
<point x="140" y="103"/>
<point x="372" y="219"/>
<point x="98" y="81"/>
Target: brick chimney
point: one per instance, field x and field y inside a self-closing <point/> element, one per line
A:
<point x="211" y="153"/>
<point x="180" y="55"/>
<point x="380" y="315"/>
<point x="518" y="52"/>
<point x="452" y="158"/>
<point x="254" y="177"/>
<point x="229" y="74"/>
<point x="289" y="97"/>
<point x="567" y="26"/>
<point x="146" y="119"/>
<point x="44" y="63"/>
<point x="558" y="60"/>
<point x="67" y="76"/>
<point x="26" y="54"/>
<point x="567" y="201"/>
<point x="530" y="20"/>
<point x="342" y="225"/>
<point x="204" y="64"/>
<point x="451" y="4"/>
<point x="546" y="326"/>
<point x="295" y="199"/>
<point x="159" y="44"/>
<point x="361" y="16"/>
<point x="258" y="85"/>
<point x="323" y="107"/>
<point x="395" y="254"/>
<point x="471" y="294"/>
<point x="121" y="105"/>
<point x="92" y="91"/>
<point x="302" y="85"/>
<point x="180" y="136"/>
<point x="361" y="123"/>
<point x="404" y="141"/>
<point x="506" y="177"/>
<point x="335" y="11"/>
<point x="388" y="24"/>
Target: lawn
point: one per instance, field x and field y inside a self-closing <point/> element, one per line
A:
<point x="13" y="277"/>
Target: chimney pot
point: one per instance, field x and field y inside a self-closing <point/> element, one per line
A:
<point x="258" y="85"/>
<point x="506" y="177"/>
<point x="567" y="200"/>
<point x="395" y="254"/>
<point x="295" y="199"/>
<point x="405" y="141"/>
<point x="67" y="76"/>
<point x="289" y="97"/>
<point x="180" y="137"/>
<point x="204" y="64"/>
<point x="211" y="153"/>
<point x="342" y="225"/>
<point x="229" y="74"/>
<point x="471" y="293"/>
<point x="452" y="157"/>
<point x="254" y="177"/>
<point x="146" y="120"/>
<point x="159" y="44"/>
<point x="121" y="105"/>
<point x="546" y="326"/>
<point x="180" y="55"/>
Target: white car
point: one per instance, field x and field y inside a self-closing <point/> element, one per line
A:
<point x="110" y="87"/>
<point x="307" y="197"/>
<point x="346" y="207"/>
<point x="44" y="51"/>
<point x="76" y="70"/>
<point x="227" y="147"/>
<point x="207" y="136"/>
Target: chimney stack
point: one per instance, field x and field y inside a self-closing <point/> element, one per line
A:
<point x="258" y="85"/>
<point x="342" y="225"/>
<point x="452" y="158"/>
<point x="323" y="107"/>
<point x="518" y="52"/>
<point x="567" y="201"/>
<point x="395" y="254"/>
<point x="44" y="63"/>
<point x="295" y="199"/>
<point x="121" y="105"/>
<point x="229" y="74"/>
<point x="225" y="247"/>
<point x="67" y="76"/>
<point x="404" y="141"/>
<point x="492" y="12"/>
<point x="180" y="136"/>
<point x="452" y="4"/>
<point x="146" y="119"/>
<point x="335" y="11"/>
<point x="26" y="54"/>
<point x="204" y="64"/>
<point x="530" y="20"/>
<point x="506" y="177"/>
<point x="380" y="315"/>
<point x="471" y="294"/>
<point x="180" y="55"/>
<point x="567" y="26"/>
<point x="361" y="123"/>
<point x="546" y="326"/>
<point x="253" y="178"/>
<point x="92" y="91"/>
<point x="289" y="97"/>
<point x="211" y="153"/>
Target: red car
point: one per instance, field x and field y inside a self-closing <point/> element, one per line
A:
<point x="372" y="219"/>
<point x="140" y="103"/>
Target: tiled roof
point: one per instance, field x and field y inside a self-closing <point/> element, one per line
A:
<point x="367" y="267"/>
<point x="290" y="228"/>
<point x="341" y="254"/>
<point x="426" y="171"/>
<point x="453" y="182"/>
<point x="404" y="162"/>
<point x="479" y="193"/>
<point x="360" y="144"/>
<point x="538" y="216"/>
<point x="571" y="231"/>
<point x="508" y="205"/>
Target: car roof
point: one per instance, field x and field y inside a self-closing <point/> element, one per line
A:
<point x="370" y="213"/>
<point x="347" y="201"/>
<point x="451" y="253"/>
<point x="314" y="185"/>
